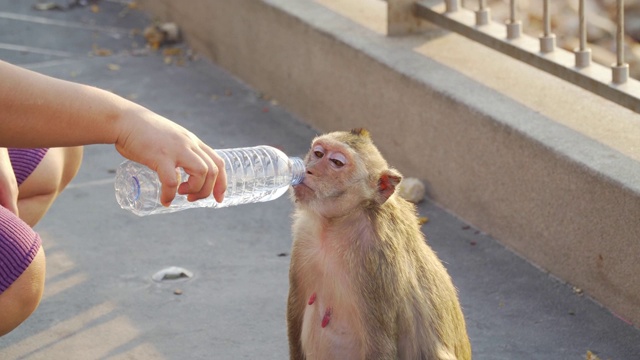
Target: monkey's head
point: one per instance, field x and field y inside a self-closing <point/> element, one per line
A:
<point x="345" y="172"/>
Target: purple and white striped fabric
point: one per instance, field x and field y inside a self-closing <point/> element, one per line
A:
<point x="19" y="244"/>
<point x="24" y="161"/>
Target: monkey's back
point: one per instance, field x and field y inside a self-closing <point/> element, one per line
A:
<point x="429" y="306"/>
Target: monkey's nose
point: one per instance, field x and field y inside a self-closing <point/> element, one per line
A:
<point x="309" y="172"/>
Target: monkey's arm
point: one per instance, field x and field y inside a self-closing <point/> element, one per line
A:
<point x="380" y="300"/>
<point x="295" y="306"/>
<point x="382" y="341"/>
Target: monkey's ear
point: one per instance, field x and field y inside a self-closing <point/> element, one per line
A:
<point x="387" y="183"/>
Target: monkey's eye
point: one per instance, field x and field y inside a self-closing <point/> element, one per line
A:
<point x="338" y="160"/>
<point x="318" y="151"/>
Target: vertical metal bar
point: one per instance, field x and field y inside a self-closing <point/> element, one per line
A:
<point x="513" y="25"/>
<point x="512" y="10"/>
<point x="547" y="18"/>
<point x="620" y="70"/>
<point x="483" y="13"/>
<point x="583" y="27"/>
<point x="547" y="40"/>
<point x="620" y="33"/>
<point x="582" y="53"/>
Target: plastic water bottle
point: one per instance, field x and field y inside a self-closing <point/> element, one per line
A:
<point x="254" y="174"/>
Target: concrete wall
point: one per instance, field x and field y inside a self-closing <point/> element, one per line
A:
<point x="542" y="173"/>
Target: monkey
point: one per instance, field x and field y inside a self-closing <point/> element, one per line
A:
<point x="363" y="283"/>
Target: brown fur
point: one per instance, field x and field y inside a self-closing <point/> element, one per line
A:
<point x="363" y="282"/>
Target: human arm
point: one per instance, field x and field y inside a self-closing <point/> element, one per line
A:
<point x="41" y="111"/>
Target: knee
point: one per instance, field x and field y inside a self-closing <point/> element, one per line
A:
<point x="71" y="164"/>
<point x="22" y="298"/>
<point x="53" y="174"/>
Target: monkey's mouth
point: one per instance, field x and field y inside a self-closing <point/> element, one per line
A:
<point x="304" y="186"/>
<point x="302" y="190"/>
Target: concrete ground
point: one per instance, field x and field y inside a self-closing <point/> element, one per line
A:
<point x="100" y="301"/>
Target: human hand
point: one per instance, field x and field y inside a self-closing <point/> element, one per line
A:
<point x="163" y="146"/>
<point x="8" y="183"/>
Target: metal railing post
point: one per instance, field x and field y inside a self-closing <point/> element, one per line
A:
<point x="620" y="70"/>
<point x="513" y="26"/>
<point x="596" y="78"/>
<point x="452" y="5"/>
<point x="483" y="14"/>
<point x="548" y="39"/>
<point x="582" y="53"/>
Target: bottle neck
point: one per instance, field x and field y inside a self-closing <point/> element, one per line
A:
<point x="297" y="170"/>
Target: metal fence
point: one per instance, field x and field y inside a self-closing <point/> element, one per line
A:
<point x="611" y="82"/>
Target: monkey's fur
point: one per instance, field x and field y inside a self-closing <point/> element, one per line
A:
<point x="363" y="282"/>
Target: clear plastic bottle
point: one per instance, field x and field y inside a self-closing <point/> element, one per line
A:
<point x="254" y="174"/>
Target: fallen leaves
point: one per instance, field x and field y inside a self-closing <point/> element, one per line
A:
<point x="98" y="51"/>
<point x="64" y="5"/>
<point x="174" y="51"/>
<point x="158" y="35"/>
<point x="591" y="356"/>
<point x="173" y="55"/>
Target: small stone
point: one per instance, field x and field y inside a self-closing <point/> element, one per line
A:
<point x="177" y="292"/>
<point x="46" y="6"/>
<point x="577" y="290"/>
<point x="171" y="32"/>
<point x="412" y="190"/>
<point x="172" y="273"/>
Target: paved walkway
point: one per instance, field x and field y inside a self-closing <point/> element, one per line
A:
<point x="100" y="301"/>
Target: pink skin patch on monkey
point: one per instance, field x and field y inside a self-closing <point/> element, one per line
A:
<point x="327" y="317"/>
<point x="312" y="299"/>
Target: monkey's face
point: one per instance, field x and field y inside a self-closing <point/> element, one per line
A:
<point x="336" y="181"/>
